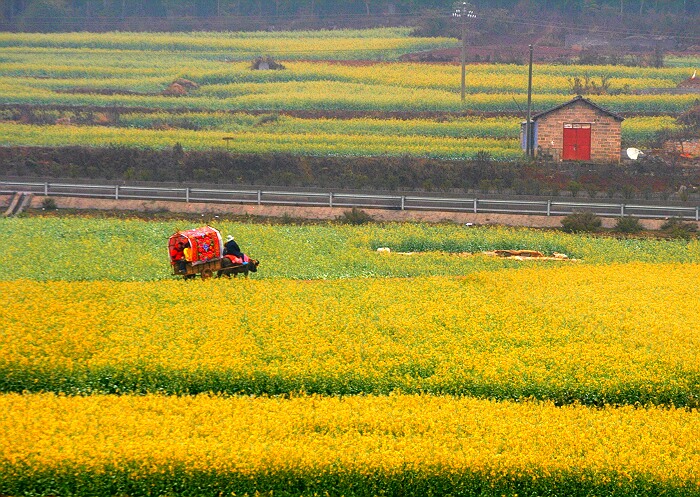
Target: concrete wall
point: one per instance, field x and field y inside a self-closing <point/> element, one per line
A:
<point x="606" y="131"/>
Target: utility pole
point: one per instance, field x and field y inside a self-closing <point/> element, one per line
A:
<point x="529" y="146"/>
<point x="463" y="14"/>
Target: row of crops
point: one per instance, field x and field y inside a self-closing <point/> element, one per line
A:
<point x="322" y="94"/>
<point x="459" y="138"/>
<point x="373" y="44"/>
<point x="337" y="369"/>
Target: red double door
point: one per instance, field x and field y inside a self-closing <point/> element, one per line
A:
<point x="577" y="142"/>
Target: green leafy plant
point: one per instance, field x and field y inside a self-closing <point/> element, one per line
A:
<point x="581" y="222"/>
<point x="677" y="228"/>
<point x="48" y="204"/>
<point x="355" y="216"/>
<point x="628" y="225"/>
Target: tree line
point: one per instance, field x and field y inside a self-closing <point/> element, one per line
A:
<point x="66" y="15"/>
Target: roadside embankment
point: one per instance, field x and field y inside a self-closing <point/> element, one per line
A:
<point x="305" y="212"/>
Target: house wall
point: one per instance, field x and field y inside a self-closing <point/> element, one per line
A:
<point x="606" y="131"/>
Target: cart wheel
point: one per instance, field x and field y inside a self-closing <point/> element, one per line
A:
<point x="206" y="274"/>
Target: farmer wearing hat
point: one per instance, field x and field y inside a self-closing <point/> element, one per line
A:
<point x="232" y="248"/>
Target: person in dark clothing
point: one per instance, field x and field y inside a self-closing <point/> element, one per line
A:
<point x="232" y="248"/>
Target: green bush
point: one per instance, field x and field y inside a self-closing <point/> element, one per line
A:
<point x="581" y="222"/>
<point x="355" y="216"/>
<point x="628" y="225"/>
<point x="676" y="228"/>
<point x="48" y="204"/>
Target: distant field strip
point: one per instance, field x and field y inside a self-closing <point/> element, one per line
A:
<point x="325" y="95"/>
<point x="259" y="141"/>
<point x="104" y="249"/>
<point x="394" y="445"/>
<point x="376" y="44"/>
<point x="460" y="138"/>
<point x="596" y="335"/>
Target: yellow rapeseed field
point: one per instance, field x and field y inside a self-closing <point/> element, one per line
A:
<point x="620" y="334"/>
<point x="272" y="443"/>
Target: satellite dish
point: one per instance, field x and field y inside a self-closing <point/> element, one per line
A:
<point x="634" y="153"/>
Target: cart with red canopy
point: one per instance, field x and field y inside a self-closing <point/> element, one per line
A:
<point x="196" y="251"/>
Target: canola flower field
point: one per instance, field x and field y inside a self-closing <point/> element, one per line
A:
<point x="337" y="370"/>
<point x="129" y="71"/>
<point x="369" y="445"/>
<point x="461" y="138"/>
<point x="499" y="335"/>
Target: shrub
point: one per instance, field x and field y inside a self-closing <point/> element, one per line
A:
<point x="48" y="204"/>
<point x="676" y="228"/>
<point x="268" y="119"/>
<point x="574" y="187"/>
<point x="628" y="225"/>
<point x="581" y="222"/>
<point x="355" y="216"/>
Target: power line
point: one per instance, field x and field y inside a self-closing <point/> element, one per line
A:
<point x="270" y="20"/>
<point x="611" y="32"/>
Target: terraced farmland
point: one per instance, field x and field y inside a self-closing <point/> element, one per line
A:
<point x="88" y="89"/>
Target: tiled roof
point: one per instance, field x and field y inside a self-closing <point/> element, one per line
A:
<point x="578" y="98"/>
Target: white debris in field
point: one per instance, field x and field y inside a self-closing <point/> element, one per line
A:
<point x="518" y="255"/>
<point x="528" y="255"/>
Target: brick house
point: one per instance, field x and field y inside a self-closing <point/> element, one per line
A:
<point x="577" y="130"/>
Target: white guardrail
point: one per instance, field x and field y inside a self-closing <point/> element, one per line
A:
<point x="331" y="199"/>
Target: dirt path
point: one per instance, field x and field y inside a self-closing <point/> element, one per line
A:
<point x="211" y="210"/>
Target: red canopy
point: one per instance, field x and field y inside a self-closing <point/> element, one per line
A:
<point x="201" y="244"/>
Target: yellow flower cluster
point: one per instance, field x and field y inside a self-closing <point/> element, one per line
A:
<point x="309" y="436"/>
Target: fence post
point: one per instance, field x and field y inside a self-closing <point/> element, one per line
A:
<point x="549" y="207"/>
<point x="46" y="189"/>
<point x="697" y="213"/>
<point x="116" y="192"/>
<point x="403" y="202"/>
<point x="259" y="197"/>
<point x="622" y="210"/>
<point x="187" y="194"/>
<point x="330" y="199"/>
<point x="476" y="203"/>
